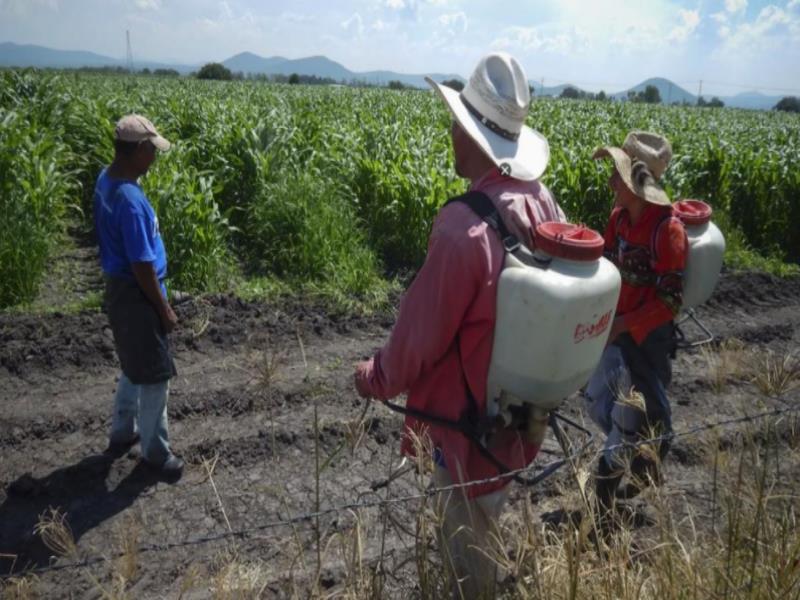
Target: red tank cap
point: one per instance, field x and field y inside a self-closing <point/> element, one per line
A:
<point x="565" y="240"/>
<point x="692" y="212"/>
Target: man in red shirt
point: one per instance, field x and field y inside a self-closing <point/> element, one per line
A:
<point x="439" y="349"/>
<point x="649" y="247"/>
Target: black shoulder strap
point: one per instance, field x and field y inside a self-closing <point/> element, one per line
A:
<point x="482" y="206"/>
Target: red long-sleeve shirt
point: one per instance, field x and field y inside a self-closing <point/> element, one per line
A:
<point x="652" y="286"/>
<point x="444" y="331"/>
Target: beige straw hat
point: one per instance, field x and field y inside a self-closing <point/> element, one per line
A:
<point x="641" y="162"/>
<point x="492" y="109"/>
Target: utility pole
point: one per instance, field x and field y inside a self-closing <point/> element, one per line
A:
<point x="700" y="90"/>
<point x="669" y="94"/>
<point x="129" y="53"/>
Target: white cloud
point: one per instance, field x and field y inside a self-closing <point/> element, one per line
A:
<point x="454" y="23"/>
<point x="293" y="17"/>
<point x="690" y="19"/>
<point x="532" y="39"/>
<point x="793" y="4"/>
<point x="735" y="6"/>
<point x="413" y="4"/>
<point x="720" y="17"/>
<point x="772" y="28"/>
<point x="602" y="29"/>
<point x="147" y="4"/>
<point x="23" y="7"/>
<point x="410" y="9"/>
<point x="354" y="26"/>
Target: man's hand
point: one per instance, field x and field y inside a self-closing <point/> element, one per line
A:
<point x="361" y="376"/>
<point x="168" y="318"/>
<point x="146" y="278"/>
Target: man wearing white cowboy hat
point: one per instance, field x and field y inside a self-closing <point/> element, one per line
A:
<point x="649" y="247"/>
<point x="440" y="346"/>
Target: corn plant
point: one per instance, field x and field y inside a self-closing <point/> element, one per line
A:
<point x="337" y="188"/>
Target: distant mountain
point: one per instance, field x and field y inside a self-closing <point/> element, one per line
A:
<point x="553" y="91"/>
<point x="752" y="100"/>
<point x="247" y="62"/>
<point x="384" y="77"/>
<point x="670" y="92"/>
<point x="29" y="55"/>
<point x="276" y="65"/>
<point x="322" y="66"/>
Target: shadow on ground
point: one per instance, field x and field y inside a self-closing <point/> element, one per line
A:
<point x="81" y="491"/>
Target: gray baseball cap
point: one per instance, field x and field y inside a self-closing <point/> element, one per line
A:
<point x="136" y="128"/>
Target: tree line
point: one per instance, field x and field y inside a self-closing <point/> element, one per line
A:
<point x="218" y="71"/>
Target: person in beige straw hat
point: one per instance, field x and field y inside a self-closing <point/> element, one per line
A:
<point x="440" y="347"/>
<point x="649" y="247"/>
<point x="134" y="264"/>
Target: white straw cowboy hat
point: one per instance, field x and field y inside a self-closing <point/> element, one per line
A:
<point x="492" y="109"/>
<point x="136" y="128"/>
<point x="640" y="163"/>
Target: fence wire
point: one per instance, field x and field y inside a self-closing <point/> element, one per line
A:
<point x="789" y="408"/>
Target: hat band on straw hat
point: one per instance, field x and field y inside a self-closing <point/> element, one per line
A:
<point x="488" y="123"/>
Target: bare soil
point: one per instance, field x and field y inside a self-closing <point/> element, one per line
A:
<point x="250" y="378"/>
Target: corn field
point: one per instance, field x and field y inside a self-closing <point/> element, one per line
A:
<point x="335" y="189"/>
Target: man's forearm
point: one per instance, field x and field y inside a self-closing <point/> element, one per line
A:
<point x="145" y="276"/>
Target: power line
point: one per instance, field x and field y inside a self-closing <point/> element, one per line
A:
<point x="428" y="493"/>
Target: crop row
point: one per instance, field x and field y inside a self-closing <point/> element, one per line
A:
<point x="336" y="188"/>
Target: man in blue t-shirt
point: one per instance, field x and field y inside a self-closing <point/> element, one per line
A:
<point x="134" y="264"/>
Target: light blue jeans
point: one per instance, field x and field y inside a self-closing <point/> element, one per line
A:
<point x="611" y="381"/>
<point x="621" y="423"/>
<point x="610" y="378"/>
<point x="142" y="409"/>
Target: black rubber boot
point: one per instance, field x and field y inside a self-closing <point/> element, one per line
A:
<point x="606" y="483"/>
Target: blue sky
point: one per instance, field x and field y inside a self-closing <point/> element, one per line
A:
<point x="732" y="45"/>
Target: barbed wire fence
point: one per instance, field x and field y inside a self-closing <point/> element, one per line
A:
<point x="790" y="407"/>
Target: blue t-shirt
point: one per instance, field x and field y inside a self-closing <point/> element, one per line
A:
<point x="127" y="229"/>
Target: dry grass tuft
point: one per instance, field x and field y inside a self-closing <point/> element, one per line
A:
<point x="776" y="375"/>
<point x="19" y="588"/>
<point x="192" y="579"/>
<point x="56" y="533"/>
<point x="726" y="363"/>
<point x="269" y="363"/>
<point x="356" y="429"/>
<point x="128" y="535"/>
<point x="633" y="399"/>
<point x="237" y="579"/>
<point x="200" y="322"/>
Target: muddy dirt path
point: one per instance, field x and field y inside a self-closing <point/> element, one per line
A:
<point x="251" y="377"/>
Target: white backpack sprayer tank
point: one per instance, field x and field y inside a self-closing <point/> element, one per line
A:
<point x="706" y="249"/>
<point x="703" y="263"/>
<point x="554" y="313"/>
